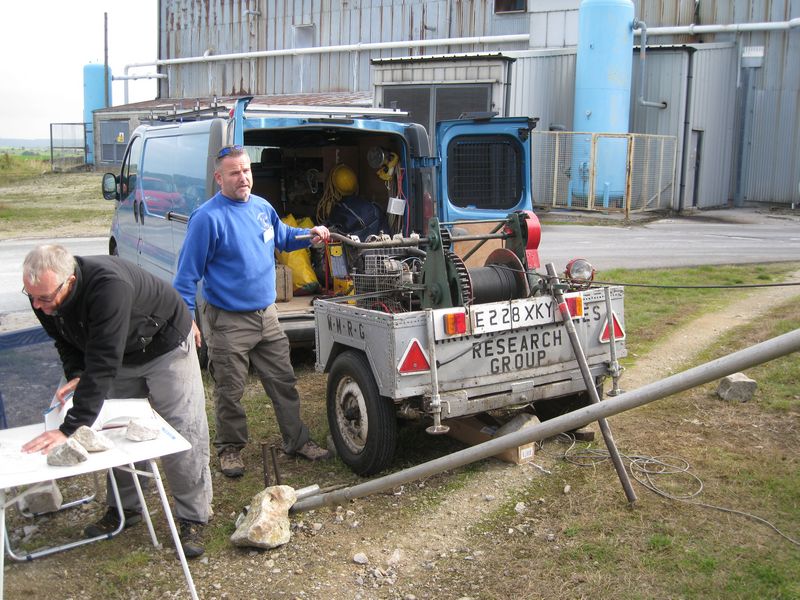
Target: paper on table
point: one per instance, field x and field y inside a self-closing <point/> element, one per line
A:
<point x="115" y="412"/>
<point x="120" y="411"/>
<point x="54" y="416"/>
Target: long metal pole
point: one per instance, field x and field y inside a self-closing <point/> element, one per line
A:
<point x="591" y="388"/>
<point x="705" y="373"/>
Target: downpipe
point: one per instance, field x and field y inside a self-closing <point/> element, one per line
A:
<point x="705" y="373"/>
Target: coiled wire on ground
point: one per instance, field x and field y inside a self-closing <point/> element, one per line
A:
<point x="647" y="470"/>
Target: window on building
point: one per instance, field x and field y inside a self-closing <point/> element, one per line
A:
<point x="507" y="6"/>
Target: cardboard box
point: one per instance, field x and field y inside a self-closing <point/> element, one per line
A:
<point x="283" y="283"/>
<point x="471" y="430"/>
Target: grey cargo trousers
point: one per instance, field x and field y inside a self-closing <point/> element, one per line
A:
<point x="235" y="341"/>
<point x="174" y="386"/>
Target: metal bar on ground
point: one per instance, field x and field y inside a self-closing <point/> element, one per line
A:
<point x="274" y="454"/>
<point x="705" y="373"/>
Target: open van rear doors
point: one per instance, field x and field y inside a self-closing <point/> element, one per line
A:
<point x="484" y="167"/>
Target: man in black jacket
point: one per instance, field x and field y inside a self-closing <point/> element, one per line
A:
<point x="123" y="333"/>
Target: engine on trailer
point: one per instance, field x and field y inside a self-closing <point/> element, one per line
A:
<point x="400" y="274"/>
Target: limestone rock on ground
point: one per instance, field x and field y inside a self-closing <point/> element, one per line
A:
<point x="737" y="387"/>
<point x="42" y="499"/>
<point x="266" y="524"/>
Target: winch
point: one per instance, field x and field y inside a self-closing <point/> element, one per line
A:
<point x="400" y="274"/>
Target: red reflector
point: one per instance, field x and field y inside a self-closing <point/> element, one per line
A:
<point x="619" y="332"/>
<point x="414" y="360"/>
<point x="575" y="306"/>
<point x="455" y="323"/>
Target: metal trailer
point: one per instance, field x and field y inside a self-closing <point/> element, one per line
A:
<point x="445" y="360"/>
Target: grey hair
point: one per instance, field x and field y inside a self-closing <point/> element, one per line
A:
<point x="48" y="257"/>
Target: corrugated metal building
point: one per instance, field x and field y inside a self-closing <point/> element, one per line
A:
<point x="732" y="95"/>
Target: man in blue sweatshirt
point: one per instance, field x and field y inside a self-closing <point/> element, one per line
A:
<point x="230" y="245"/>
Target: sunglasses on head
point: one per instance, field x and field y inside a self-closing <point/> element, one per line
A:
<point x="226" y="150"/>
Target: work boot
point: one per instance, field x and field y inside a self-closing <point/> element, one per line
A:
<point x="191" y="534"/>
<point x="230" y="461"/>
<point x="311" y="451"/>
<point x="110" y="522"/>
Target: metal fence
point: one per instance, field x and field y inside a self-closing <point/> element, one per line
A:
<point x="67" y="146"/>
<point x="603" y="171"/>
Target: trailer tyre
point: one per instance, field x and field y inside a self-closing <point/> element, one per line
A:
<point x="363" y="423"/>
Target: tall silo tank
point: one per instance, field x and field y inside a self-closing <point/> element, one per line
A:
<point x="94" y="97"/>
<point x="602" y="95"/>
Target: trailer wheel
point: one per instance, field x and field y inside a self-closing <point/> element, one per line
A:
<point x="363" y="423"/>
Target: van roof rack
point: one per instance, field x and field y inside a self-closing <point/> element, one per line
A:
<point x="323" y="111"/>
<point x="214" y="109"/>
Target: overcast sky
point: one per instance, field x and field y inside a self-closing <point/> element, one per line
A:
<point x="46" y="43"/>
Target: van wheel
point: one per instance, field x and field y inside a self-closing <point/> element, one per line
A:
<point x="363" y="423"/>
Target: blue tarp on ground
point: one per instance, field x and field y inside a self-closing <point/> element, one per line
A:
<point x="29" y="374"/>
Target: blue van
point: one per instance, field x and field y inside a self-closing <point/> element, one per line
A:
<point x="480" y="171"/>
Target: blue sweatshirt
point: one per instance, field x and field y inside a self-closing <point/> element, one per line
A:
<point x="230" y="246"/>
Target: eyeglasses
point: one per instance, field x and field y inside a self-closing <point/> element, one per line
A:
<point x="224" y="151"/>
<point x="44" y="299"/>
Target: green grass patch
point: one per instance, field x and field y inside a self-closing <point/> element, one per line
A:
<point x="54" y="205"/>
<point x="16" y="167"/>
<point x="652" y="312"/>
<point x="595" y="546"/>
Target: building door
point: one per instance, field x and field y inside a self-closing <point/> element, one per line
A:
<point x="692" y="184"/>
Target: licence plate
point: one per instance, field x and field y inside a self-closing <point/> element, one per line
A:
<point x="513" y="314"/>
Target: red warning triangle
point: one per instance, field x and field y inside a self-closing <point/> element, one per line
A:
<point x="415" y="359"/>
<point x="619" y="332"/>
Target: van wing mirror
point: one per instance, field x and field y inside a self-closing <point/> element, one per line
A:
<point x="110" y="191"/>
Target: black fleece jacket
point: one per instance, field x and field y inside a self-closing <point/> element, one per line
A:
<point x="116" y="314"/>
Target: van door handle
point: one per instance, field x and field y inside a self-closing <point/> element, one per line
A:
<point x="136" y="210"/>
<point x="141" y="213"/>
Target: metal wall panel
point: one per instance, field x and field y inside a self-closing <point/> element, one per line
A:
<point x="543" y="85"/>
<point x="666" y="75"/>
<point x="713" y="105"/>
<point x="192" y="28"/>
<point x="771" y="149"/>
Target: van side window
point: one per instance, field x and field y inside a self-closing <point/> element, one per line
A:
<point x="174" y="173"/>
<point x="130" y="170"/>
<point x="485" y="172"/>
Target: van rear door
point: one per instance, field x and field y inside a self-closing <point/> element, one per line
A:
<point x="484" y="167"/>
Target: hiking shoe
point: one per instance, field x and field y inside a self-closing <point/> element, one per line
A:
<point x="311" y="451"/>
<point x="230" y="461"/>
<point x="191" y="534"/>
<point x="110" y="522"/>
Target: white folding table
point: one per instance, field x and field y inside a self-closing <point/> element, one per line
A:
<point x="20" y="469"/>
